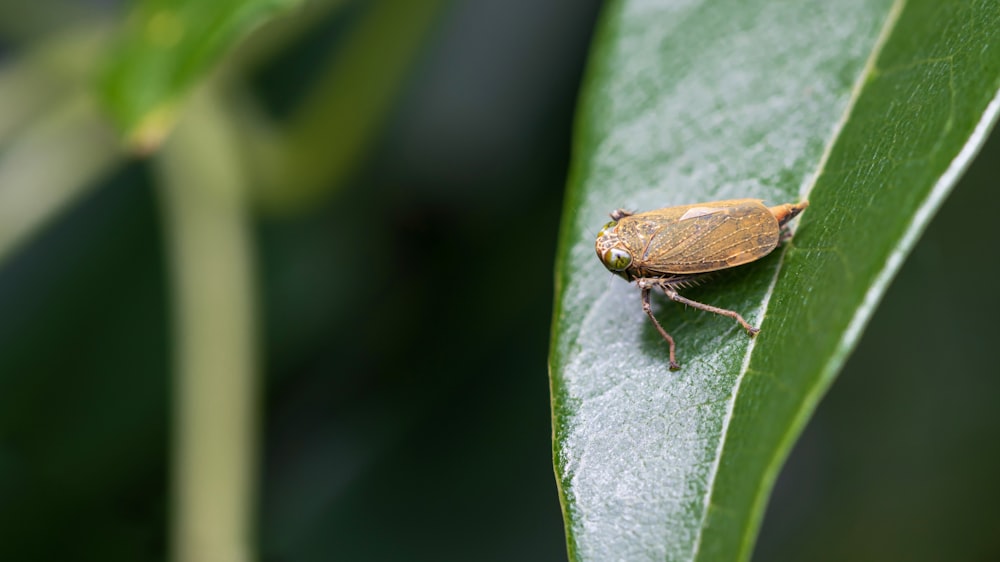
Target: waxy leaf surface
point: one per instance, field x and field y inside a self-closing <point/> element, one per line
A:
<point x="870" y="110"/>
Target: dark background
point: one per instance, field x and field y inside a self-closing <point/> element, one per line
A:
<point x="406" y="401"/>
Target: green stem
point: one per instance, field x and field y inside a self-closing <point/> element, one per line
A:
<point x="328" y="135"/>
<point x="215" y="413"/>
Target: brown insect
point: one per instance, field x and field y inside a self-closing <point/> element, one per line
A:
<point x="676" y="247"/>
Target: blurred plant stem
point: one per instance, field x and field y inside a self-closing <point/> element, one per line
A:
<point x="215" y="412"/>
<point x="327" y="136"/>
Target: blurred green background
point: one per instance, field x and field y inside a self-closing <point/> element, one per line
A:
<point x="404" y="328"/>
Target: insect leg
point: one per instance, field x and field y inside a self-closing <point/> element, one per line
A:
<point x="785" y="235"/>
<point x="674" y="296"/>
<point x="649" y="312"/>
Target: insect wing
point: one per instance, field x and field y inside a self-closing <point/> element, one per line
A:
<point x="707" y="236"/>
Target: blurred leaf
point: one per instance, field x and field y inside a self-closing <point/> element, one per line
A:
<point x="22" y="23"/>
<point x="52" y="163"/>
<point x="871" y="110"/>
<point x="54" y="141"/>
<point x="48" y="72"/>
<point x="166" y="47"/>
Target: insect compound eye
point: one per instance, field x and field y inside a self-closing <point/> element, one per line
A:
<point x="616" y="259"/>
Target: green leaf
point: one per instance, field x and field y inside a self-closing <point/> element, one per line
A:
<point x="167" y="46"/>
<point x="870" y="110"/>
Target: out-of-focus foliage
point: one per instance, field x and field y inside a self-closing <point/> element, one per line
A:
<point x="165" y="48"/>
<point x="435" y="126"/>
<point x="404" y="165"/>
